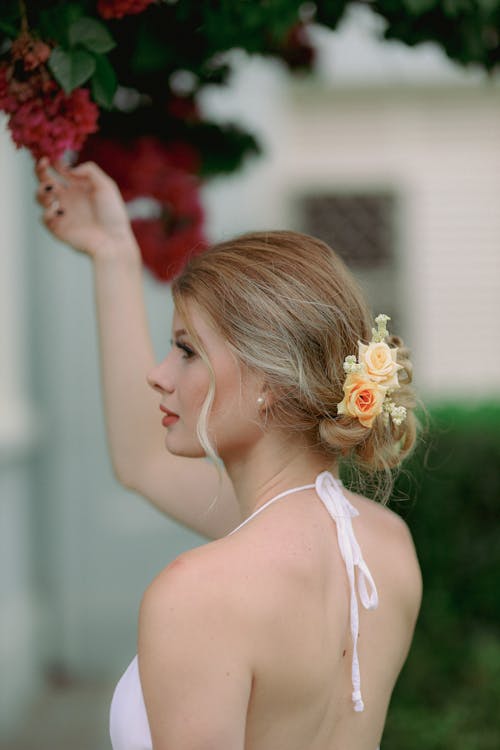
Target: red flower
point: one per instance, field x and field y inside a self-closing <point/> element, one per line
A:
<point x="183" y="108"/>
<point x="7" y="101"/>
<point x="166" y="175"/>
<point x="50" y="121"/>
<point x="33" y="52"/>
<point x="297" y="50"/>
<point x="42" y="117"/>
<point x="120" y="8"/>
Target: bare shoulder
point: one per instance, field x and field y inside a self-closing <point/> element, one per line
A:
<point x="193" y="651"/>
<point x="200" y="579"/>
<point x="381" y="518"/>
<point x="389" y="537"/>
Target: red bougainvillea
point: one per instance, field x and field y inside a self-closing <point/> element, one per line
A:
<point x="41" y="116"/>
<point x="297" y="49"/>
<point x="166" y="175"/>
<point x="120" y="8"/>
<point x="33" y="52"/>
<point x="70" y="69"/>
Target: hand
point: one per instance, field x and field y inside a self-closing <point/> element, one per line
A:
<point x="83" y="207"/>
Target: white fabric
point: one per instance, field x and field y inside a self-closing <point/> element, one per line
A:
<point x="277" y="497"/>
<point x="128" y="722"/>
<point x="342" y="511"/>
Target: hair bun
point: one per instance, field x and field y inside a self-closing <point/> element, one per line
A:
<point x="379" y="439"/>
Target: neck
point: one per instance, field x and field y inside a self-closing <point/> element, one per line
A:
<point x="272" y="466"/>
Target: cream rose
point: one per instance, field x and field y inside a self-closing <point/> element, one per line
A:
<point x="379" y="361"/>
<point x="363" y="398"/>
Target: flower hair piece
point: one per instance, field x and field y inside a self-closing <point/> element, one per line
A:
<point x="371" y="378"/>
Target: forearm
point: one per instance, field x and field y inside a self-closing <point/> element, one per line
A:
<point x="183" y="488"/>
<point x="84" y="209"/>
<point x="126" y="357"/>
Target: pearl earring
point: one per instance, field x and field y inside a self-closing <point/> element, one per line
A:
<point x="261" y="400"/>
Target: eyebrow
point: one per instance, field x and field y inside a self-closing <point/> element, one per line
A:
<point x="183" y="332"/>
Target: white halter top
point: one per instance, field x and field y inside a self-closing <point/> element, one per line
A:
<point x="128" y="722"/>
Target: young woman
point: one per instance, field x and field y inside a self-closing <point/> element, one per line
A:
<point x="255" y="640"/>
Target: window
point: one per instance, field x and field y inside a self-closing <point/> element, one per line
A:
<point x="360" y="227"/>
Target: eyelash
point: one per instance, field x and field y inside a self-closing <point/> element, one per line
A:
<point x="188" y="352"/>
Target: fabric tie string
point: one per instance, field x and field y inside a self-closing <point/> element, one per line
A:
<point x="342" y="511"/>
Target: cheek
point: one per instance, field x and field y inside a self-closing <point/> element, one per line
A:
<point x="233" y="395"/>
<point x="225" y="401"/>
<point x="192" y="389"/>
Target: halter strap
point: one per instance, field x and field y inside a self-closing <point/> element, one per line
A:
<point x="342" y="511"/>
<point x="276" y="497"/>
<point x="329" y="490"/>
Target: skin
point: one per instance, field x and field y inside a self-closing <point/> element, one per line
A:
<point x="244" y="642"/>
<point x="242" y="652"/>
<point x="260" y="462"/>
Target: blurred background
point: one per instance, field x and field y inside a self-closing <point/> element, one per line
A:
<point x="389" y="152"/>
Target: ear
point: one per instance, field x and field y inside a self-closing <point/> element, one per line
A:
<point x="266" y="397"/>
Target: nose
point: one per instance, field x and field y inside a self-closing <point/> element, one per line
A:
<point x="158" y="378"/>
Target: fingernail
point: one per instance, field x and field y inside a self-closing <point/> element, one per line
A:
<point x="48" y="188"/>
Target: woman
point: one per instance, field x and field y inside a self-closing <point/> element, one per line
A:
<point x="255" y="640"/>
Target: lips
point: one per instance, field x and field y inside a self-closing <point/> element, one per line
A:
<point x="168" y="412"/>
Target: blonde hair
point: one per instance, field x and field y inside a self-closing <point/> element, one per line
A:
<point x="289" y="308"/>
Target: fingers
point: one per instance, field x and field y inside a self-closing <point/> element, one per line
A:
<point x="89" y="174"/>
<point x="54" y="211"/>
<point x="41" y="166"/>
<point x="52" y="188"/>
<point x="43" y="170"/>
<point x="50" y="196"/>
<point x="47" y="193"/>
<point x="86" y="170"/>
<point x="89" y="170"/>
<point x="54" y="218"/>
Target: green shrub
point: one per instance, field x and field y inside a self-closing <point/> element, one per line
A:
<point x="448" y="694"/>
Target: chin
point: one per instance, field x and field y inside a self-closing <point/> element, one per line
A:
<point x="186" y="450"/>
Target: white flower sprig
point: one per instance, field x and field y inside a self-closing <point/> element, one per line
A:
<point x="380" y="332"/>
<point x="350" y="364"/>
<point x="396" y="413"/>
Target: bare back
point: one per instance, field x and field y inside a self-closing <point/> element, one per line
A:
<point x="297" y="608"/>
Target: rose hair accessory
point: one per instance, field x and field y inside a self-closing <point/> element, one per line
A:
<point x="371" y="378"/>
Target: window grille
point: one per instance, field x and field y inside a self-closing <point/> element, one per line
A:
<point x="358" y="227"/>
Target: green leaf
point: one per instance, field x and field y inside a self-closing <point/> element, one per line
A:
<point x="417" y="7"/>
<point x="104" y="82"/>
<point x="488" y="6"/>
<point x="150" y="53"/>
<point x="54" y="22"/>
<point x="9" y="29"/>
<point x="71" y="68"/>
<point x="10" y="22"/>
<point x="92" y="34"/>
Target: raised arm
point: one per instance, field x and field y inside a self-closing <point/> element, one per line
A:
<point x="83" y="208"/>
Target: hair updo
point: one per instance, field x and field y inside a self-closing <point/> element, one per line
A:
<point x="287" y="306"/>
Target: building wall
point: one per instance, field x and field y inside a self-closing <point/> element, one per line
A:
<point x="437" y="148"/>
<point x="20" y="611"/>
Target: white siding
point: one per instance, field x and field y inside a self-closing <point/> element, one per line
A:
<point x="439" y="150"/>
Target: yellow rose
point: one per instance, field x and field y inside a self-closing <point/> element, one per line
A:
<point x="380" y="363"/>
<point x="363" y="398"/>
